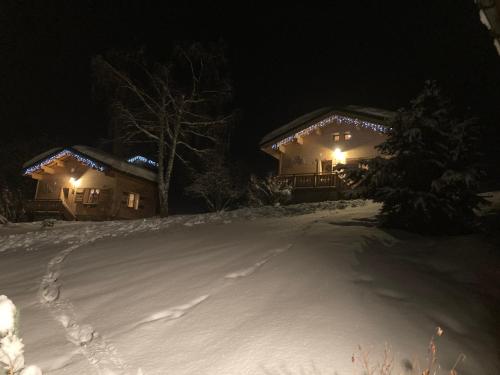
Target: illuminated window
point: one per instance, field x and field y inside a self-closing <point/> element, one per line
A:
<point x="133" y="201"/>
<point x="347" y="135"/>
<point x="336" y="137"/>
<point x="91" y="196"/>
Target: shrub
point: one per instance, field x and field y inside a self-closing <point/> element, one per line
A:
<point x="268" y="191"/>
<point x="217" y="184"/>
<point x="11" y="346"/>
<point x="12" y="204"/>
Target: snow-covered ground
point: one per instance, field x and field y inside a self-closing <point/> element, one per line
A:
<point x="286" y="290"/>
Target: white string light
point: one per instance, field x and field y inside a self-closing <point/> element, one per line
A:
<point x="143" y="159"/>
<point x="343" y="120"/>
<point x="80" y="158"/>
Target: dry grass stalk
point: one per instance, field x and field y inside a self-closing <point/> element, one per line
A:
<point x="385" y="368"/>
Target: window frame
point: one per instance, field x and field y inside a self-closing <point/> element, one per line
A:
<point x="91" y="196"/>
<point x="133" y="200"/>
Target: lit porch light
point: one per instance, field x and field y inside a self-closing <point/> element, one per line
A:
<point x="75" y="183"/>
<point x="338" y="156"/>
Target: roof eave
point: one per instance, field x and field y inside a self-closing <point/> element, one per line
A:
<point x="94" y="162"/>
<point x="299" y="127"/>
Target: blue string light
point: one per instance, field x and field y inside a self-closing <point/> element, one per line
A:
<point x="343" y="120"/>
<point x="82" y="159"/>
<point x="143" y="160"/>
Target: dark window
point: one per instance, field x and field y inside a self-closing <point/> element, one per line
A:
<point x="79" y="195"/>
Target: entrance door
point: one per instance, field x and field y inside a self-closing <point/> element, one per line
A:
<point x="326" y="166"/>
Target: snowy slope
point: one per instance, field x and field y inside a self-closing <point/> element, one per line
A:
<point x="290" y="290"/>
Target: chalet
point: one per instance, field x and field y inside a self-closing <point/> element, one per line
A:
<point x="308" y="148"/>
<point x="84" y="183"/>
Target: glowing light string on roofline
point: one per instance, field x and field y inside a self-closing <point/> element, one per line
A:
<point x="82" y="159"/>
<point x="143" y="159"/>
<point x="334" y="118"/>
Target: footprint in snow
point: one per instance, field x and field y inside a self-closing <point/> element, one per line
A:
<point x="50" y="293"/>
<point x="64" y="320"/>
<point x="51" y="277"/>
<point x="175" y="312"/>
<point x="389" y="293"/>
<point x="248" y="271"/>
<point x="92" y="345"/>
<point x="363" y="278"/>
<point x="80" y="335"/>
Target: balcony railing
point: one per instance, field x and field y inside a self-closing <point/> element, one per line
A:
<point x="50" y="206"/>
<point x="314" y="180"/>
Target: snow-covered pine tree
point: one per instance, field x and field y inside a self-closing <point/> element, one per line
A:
<point x="427" y="179"/>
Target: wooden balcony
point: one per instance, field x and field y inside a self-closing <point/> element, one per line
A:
<point x="314" y="180"/>
<point x="49" y="208"/>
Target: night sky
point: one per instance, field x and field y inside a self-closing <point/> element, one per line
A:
<point x="284" y="60"/>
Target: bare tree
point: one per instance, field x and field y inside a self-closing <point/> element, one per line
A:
<point x="177" y="105"/>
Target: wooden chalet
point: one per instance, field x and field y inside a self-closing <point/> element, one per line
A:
<point x="308" y="148"/>
<point x="84" y="183"/>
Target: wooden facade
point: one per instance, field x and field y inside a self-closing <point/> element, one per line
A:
<point x="309" y="148"/>
<point x="73" y="185"/>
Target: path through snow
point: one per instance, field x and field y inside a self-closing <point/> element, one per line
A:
<point x="178" y="297"/>
<point x="99" y="353"/>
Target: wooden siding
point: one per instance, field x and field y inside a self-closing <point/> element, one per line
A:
<point x="103" y="208"/>
<point x="55" y="186"/>
<point x="147" y="197"/>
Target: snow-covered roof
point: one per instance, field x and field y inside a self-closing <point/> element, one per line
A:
<point x="292" y="125"/>
<point x="41" y="156"/>
<point x="373" y="116"/>
<point x="141" y="160"/>
<point x="381" y="114"/>
<point x="97" y="159"/>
